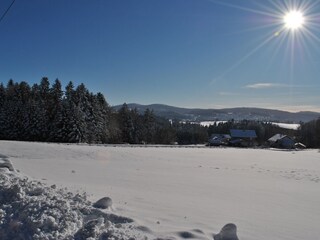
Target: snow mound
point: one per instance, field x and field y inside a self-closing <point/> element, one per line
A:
<point x="228" y="232"/>
<point x="32" y="210"/>
<point x="5" y="163"/>
<point x="103" y="203"/>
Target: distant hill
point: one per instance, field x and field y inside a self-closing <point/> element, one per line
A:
<point x="198" y="114"/>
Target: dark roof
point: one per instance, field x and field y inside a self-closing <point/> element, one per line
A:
<point x="239" y="133"/>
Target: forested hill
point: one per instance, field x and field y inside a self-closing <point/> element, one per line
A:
<point x="197" y="114"/>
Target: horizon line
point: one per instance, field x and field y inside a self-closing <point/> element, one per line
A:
<point x="222" y="108"/>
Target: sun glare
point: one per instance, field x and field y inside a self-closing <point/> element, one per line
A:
<point x="293" y="20"/>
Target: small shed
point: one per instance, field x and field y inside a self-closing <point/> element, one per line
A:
<point x="281" y="141"/>
<point x="243" y="137"/>
<point x="219" y="139"/>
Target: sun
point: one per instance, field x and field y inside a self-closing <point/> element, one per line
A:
<point x="293" y="20"/>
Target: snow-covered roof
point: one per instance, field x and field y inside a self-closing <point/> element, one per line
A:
<point x="239" y="133"/>
<point x="217" y="135"/>
<point x="277" y="137"/>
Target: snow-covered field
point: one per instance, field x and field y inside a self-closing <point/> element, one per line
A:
<point x="268" y="194"/>
<point x="293" y="126"/>
<point x="209" y="123"/>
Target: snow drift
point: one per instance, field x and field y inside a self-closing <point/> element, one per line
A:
<point x="32" y="210"/>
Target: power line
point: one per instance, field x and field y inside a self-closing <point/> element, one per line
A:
<point x="5" y="13"/>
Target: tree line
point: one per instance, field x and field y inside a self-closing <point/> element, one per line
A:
<point x="45" y="112"/>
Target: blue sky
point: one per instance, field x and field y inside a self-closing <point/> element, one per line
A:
<point x="187" y="53"/>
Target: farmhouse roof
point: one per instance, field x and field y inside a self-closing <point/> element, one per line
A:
<point x="218" y="135"/>
<point x="239" y="133"/>
<point x="277" y="137"/>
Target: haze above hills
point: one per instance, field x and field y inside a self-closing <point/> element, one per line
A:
<point x="198" y="114"/>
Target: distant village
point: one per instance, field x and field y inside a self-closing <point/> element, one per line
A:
<point x="247" y="138"/>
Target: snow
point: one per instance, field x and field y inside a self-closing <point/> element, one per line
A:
<point x="204" y="123"/>
<point x="181" y="192"/>
<point x="293" y="126"/>
<point x="32" y="210"/>
<point x="209" y="123"/>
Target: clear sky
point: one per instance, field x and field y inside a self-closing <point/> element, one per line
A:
<point x="187" y="53"/>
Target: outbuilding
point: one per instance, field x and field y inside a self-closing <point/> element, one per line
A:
<point x="219" y="139"/>
<point x="281" y="141"/>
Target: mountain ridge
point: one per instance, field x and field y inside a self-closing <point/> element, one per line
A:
<point x="237" y="113"/>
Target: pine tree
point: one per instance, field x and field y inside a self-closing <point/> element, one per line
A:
<point x="115" y="130"/>
<point x="138" y="128"/>
<point x="11" y="112"/>
<point x="98" y="118"/>
<point x="149" y="126"/>
<point x="44" y="107"/>
<point x="55" y="115"/>
<point x="126" y="124"/>
<point x="24" y="92"/>
<point x="69" y="131"/>
<point x="2" y="111"/>
<point x="36" y="115"/>
<point x="83" y="112"/>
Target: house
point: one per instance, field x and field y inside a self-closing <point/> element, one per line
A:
<point x="281" y="141"/>
<point x="242" y="138"/>
<point x="219" y="139"/>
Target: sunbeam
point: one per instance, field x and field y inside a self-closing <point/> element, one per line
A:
<point x="243" y="59"/>
<point x="244" y="8"/>
<point x="293" y="22"/>
<point x="253" y="29"/>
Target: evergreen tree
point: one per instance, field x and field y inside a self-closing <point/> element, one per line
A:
<point x="138" y="127"/>
<point x="11" y="112"/>
<point x="70" y="130"/>
<point x="2" y="110"/>
<point x="126" y="124"/>
<point x="101" y="115"/>
<point x="55" y="114"/>
<point x="115" y="130"/>
<point x="24" y="92"/>
<point x="149" y="126"/>
<point x="165" y="132"/>
<point x="44" y="108"/>
<point x="309" y="133"/>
